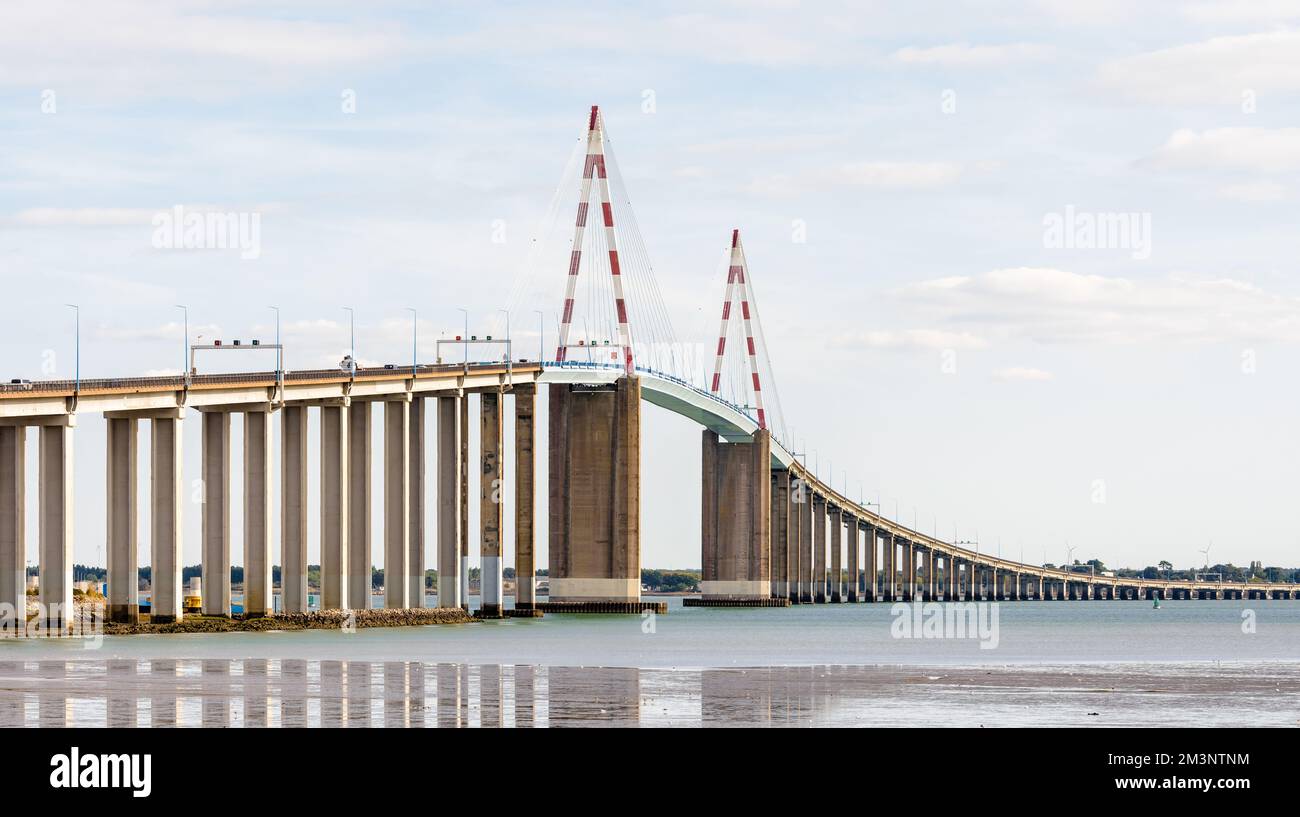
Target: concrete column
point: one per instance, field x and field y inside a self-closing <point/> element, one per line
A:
<point x="215" y="556"/>
<point x="819" y="549"/>
<point x="464" y="502"/>
<point x="525" y="495"/>
<point x="855" y="575"/>
<point x="869" y="564"/>
<point x="491" y="597"/>
<point x="806" y="542"/>
<point x="595" y="492"/>
<point x="415" y="560"/>
<point x="800" y="571"/>
<point x="397" y="504"/>
<point x="122" y="535"/>
<point x="888" y="556"/>
<point x="13" y="527"/>
<point x="293" y="509"/>
<point x="257" y="515"/>
<point x="837" y="566"/>
<point x="736" y="515"/>
<point x="780" y="544"/>
<point x="930" y="584"/>
<point x="334" y="507"/>
<point x="449" y="560"/>
<point x="166" y="477"/>
<point x="359" y="505"/>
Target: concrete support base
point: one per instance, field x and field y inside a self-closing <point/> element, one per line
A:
<point x="334" y="507"/>
<point x="736" y="515"/>
<point x="13" y="526"/>
<point x="360" y="495"/>
<point x="595" y="496"/>
<point x="293" y="509"/>
<point x="491" y="598"/>
<point x="742" y="602"/>
<point x="216" y="514"/>
<point x="166" y="475"/>
<point x="635" y="607"/>
<point x="397" y="498"/>
<point x="525" y="497"/>
<point x="448" y="469"/>
<point x="257" y="515"/>
<point x="123" y="515"/>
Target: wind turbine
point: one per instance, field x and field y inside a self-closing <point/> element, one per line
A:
<point x="1206" y="553"/>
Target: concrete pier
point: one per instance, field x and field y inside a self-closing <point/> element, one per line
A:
<point x="463" y="530"/>
<point x="334" y="507"/>
<point x="449" y="434"/>
<point x="779" y="559"/>
<point x="293" y="509"/>
<point x="360" y="495"/>
<point x="800" y="541"/>
<point x="415" y="560"/>
<point x="888" y="555"/>
<point x="736" y="518"/>
<point x="215" y="553"/>
<point x="491" y="600"/>
<point x="869" y="562"/>
<point x="595" y="493"/>
<point x="855" y="573"/>
<point x="166" y="477"/>
<point x="525" y="495"/>
<point x="122" y="535"/>
<point x="13" y="524"/>
<point x="819" y="549"/>
<point x="397" y="500"/>
<point x="836" y="518"/>
<point x="257" y="515"/>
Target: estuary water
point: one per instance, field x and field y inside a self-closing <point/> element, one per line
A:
<point x="1095" y="663"/>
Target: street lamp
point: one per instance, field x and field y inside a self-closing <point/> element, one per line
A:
<point x="352" y="340"/>
<point x="415" y="340"/>
<point x="185" y="350"/>
<point x="541" y="335"/>
<point x="77" y="354"/>
<point x="279" y="350"/>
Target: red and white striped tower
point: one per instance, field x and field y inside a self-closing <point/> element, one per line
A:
<point x="738" y="278"/>
<point x="595" y="167"/>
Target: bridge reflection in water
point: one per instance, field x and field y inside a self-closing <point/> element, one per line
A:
<point x="310" y="693"/>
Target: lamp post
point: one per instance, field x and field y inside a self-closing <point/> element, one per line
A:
<point x="415" y="340"/>
<point x="185" y="350"/>
<point x="352" y="340"/>
<point x="76" y="389"/>
<point x="279" y="350"/>
<point x="506" y="312"/>
<point x="541" y="335"/>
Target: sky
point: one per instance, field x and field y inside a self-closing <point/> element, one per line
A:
<point x="914" y="183"/>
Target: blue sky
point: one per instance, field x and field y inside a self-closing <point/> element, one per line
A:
<point x="925" y="339"/>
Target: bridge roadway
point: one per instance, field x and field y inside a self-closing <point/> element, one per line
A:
<point x="886" y="560"/>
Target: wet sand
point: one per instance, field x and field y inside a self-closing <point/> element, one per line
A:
<point x="301" y="692"/>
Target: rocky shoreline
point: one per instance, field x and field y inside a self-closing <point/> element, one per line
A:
<point x="319" y="620"/>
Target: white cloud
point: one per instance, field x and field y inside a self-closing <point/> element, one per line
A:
<point x="879" y="175"/>
<point x="83" y="217"/>
<point x="909" y="339"/>
<point x="1021" y="373"/>
<point x="966" y="56"/>
<point x="1215" y="71"/>
<point x="1254" y="192"/>
<point x="1058" y="306"/>
<point x="1254" y="12"/>
<point x="1259" y="150"/>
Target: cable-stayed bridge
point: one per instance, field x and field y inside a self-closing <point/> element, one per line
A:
<point x="772" y="532"/>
